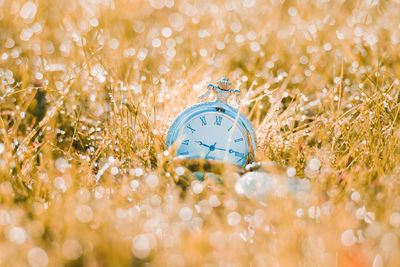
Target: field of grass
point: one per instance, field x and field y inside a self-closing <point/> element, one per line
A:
<point x="89" y="88"/>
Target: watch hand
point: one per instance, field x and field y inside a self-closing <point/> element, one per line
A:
<point x="217" y="148"/>
<point x="201" y="143"/>
<point x="212" y="148"/>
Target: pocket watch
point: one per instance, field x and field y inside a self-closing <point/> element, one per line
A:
<point x="214" y="131"/>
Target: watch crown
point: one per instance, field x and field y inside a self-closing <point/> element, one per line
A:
<point x="224" y="84"/>
<point x="222" y="89"/>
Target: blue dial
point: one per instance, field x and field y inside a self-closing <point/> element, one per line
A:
<point x="213" y="135"/>
<point x="213" y="131"/>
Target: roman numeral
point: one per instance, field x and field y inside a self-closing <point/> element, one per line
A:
<point x="238" y="140"/>
<point x="240" y="160"/>
<point x="185" y="142"/>
<point x="237" y="154"/>
<point x="190" y="128"/>
<point x="218" y="120"/>
<point x="184" y="153"/>
<point x="230" y="128"/>
<point x="203" y="120"/>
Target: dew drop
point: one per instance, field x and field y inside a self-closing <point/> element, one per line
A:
<point x="114" y="170"/>
<point x="28" y="10"/>
<point x="60" y="184"/>
<point x="233" y="218"/>
<point x="185" y="213"/>
<point x="5" y="217"/>
<point x="152" y="180"/>
<point x="395" y="219"/>
<point x="389" y="242"/>
<point x="291" y="172"/>
<point x="134" y="184"/>
<point x="142" y="245"/>
<point x="17" y="235"/>
<point x="214" y="201"/>
<point x="84" y="213"/>
<point x="179" y="171"/>
<point x="166" y="32"/>
<point x="83" y="195"/>
<point x="72" y="249"/>
<point x="348" y="238"/>
<point x="37" y="257"/>
<point x="197" y="187"/>
<point x="355" y="196"/>
<point x="314" y="164"/>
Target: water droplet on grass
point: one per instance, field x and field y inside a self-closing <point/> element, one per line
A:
<point x="233" y="218"/>
<point x="72" y="249"/>
<point x="314" y="164"/>
<point x="185" y="213"/>
<point x="84" y="213"/>
<point x="60" y="184"/>
<point x="214" y="201"/>
<point x="179" y="171"/>
<point x="152" y="180"/>
<point x="28" y="10"/>
<point x="17" y="235"/>
<point x="348" y="238"/>
<point x="395" y="219"/>
<point x="37" y="257"/>
<point x="197" y="187"/>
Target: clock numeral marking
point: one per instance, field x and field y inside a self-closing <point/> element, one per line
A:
<point x="203" y="120"/>
<point x="190" y="128"/>
<point x="238" y="154"/>
<point x="218" y="120"/>
<point x="238" y="140"/>
<point x="230" y="128"/>
<point x="185" y="142"/>
<point x="184" y="153"/>
<point x="241" y="159"/>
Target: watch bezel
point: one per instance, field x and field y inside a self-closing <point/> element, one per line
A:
<point x="216" y="106"/>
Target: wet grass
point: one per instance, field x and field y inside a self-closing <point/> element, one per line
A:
<point x="89" y="88"/>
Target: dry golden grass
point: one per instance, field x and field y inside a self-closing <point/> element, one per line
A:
<point x="88" y="90"/>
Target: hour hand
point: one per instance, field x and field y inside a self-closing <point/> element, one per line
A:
<point x="201" y="143"/>
<point x="217" y="148"/>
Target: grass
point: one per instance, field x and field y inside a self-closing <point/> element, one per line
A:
<point x="88" y="91"/>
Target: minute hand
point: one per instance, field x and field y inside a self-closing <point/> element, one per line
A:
<point x="202" y="144"/>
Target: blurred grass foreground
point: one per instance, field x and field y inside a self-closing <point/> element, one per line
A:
<point x="89" y="88"/>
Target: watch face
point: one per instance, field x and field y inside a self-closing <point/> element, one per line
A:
<point x="213" y="135"/>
